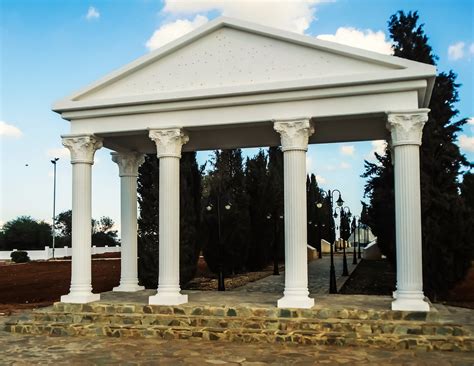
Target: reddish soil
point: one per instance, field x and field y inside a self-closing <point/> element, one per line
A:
<point x="41" y="283"/>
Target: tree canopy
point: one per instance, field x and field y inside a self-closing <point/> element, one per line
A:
<point x="446" y="224"/>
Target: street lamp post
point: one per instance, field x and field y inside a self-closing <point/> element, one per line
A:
<point x="359" y="255"/>
<point x="209" y="208"/>
<point x="276" y="271"/>
<point x="346" y="210"/>
<point x="354" y="256"/>
<point x="54" y="161"/>
<point x="332" y="270"/>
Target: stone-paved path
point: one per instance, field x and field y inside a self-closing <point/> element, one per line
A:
<point x="318" y="277"/>
<point x="44" y="350"/>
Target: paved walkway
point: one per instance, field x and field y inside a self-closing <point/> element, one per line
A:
<point x="43" y="350"/>
<point x="39" y="350"/>
<point x="318" y="277"/>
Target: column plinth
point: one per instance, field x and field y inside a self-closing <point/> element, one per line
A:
<point x="128" y="164"/>
<point x="294" y="140"/>
<point x="82" y="150"/>
<point x="406" y="132"/>
<point x="168" y="145"/>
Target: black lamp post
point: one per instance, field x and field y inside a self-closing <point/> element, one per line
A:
<point x="347" y="211"/>
<point x="54" y="161"/>
<point x="359" y="255"/>
<point x="227" y="206"/>
<point x="274" y="220"/>
<point x="354" y="256"/>
<point x="332" y="270"/>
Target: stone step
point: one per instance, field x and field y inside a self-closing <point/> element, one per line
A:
<point x="392" y="341"/>
<point x="315" y="325"/>
<point x="245" y="311"/>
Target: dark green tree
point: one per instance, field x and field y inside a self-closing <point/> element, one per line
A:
<point x="227" y="185"/>
<point x="275" y="189"/>
<point x="311" y="211"/>
<point x="467" y="190"/>
<point x="25" y="233"/>
<point x="445" y="224"/>
<point x="148" y="198"/>
<point x="103" y="233"/>
<point x="256" y="183"/>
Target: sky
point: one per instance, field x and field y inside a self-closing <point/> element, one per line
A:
<point x="50" y="48"/>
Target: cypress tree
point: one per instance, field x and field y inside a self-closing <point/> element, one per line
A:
<point x="445" y="223"/>
<point x="260" y="240"/>
<point x="313" y="218"/>
<point x="227" y="182"/>
<point x="148" y="199"/>
<point x="275" y="189"/>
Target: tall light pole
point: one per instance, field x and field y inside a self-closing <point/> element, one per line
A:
<point x="332" y="270"/>
<point x="347" y="211"/>
<point x="54" y="161"/>
<point x="273" y="218"/>
<point x="227" y="206"/>
<point x="356" y="224"/>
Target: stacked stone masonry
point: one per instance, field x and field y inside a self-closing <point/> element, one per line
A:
<point x="355" y="327"/>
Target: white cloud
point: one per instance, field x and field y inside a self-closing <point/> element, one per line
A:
<point x="170" y="31"/>
<point x="320" y="179"/>
<point x="378" y="146"/>
<point x="470" y="121"/>
<point x="347" y="150"/>
<point x="92" y="13"/>
<point x="7" y="130"/>
<point x="366" y="39"/>
<point x="292" y="15"/>
<point x="466" y="143"/>
<point x="60" y="152"/>
<point x="345" y="165"/>
<point x="456" y="51"/>
<point x="471" y="49"/>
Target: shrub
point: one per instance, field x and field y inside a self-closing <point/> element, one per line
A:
<point x="19" y="256"/>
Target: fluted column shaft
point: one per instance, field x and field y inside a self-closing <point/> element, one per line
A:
<point x="294" y="140"/>
<point x="128" y="170"/>
<point x="406" y="132"/>
<point x="169" y="143"/>
<point x="82" y="149"/>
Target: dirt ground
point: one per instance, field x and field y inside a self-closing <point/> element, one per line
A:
<point x="374" y="277"/>
<point x="40" y="283"/>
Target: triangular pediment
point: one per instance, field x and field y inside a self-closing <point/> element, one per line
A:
<point x="232" y="55"/>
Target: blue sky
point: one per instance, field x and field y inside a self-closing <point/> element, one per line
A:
<point x="52" y="48"/>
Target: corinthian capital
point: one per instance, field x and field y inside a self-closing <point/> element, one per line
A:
<point x="294" y="133"/>
<point x="82" y="148"/>
<point x="169" y="141"/>
<point x="128" y="163"/>
<point x="406" y="128"/>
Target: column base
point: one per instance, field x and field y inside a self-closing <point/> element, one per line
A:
<point x="168" y="299"/>
<point x="410" y="301"/>
<point x="80" y="298"/>
<point x="299" y="302"/>
<point x="394" y="294"/>
<point x="128" y="288"/>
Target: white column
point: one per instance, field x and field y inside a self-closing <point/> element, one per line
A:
<point x="128" y="164"/>
<point x="406" y="130"/>
<point x="82" y="150"/>
<point x="168" y="146"/>
<point x="294" y="136"/>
